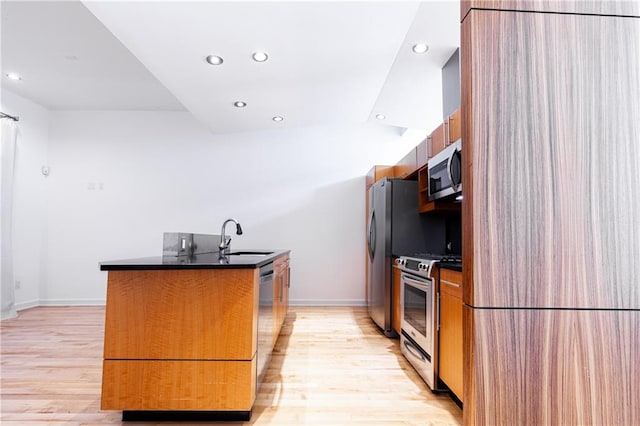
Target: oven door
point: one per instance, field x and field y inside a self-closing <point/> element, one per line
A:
<point x="418" y="311"/>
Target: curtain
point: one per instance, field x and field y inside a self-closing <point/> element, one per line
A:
<point x="8" y="139"/>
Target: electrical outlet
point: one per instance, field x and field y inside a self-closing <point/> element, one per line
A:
<point x="18" y="285"/>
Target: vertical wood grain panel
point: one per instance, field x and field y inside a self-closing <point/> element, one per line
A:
<point x="178" y="385"/>
<point x="561" y="367"/>
<point x="450" y="357"/>
<point x="598" y="7"/>
<point x="189" y="314"/>
<point x="556" y="159"/>
<point x="472" y="402"/>
<point x="468" y="147"/>
<point x="396" y="315"/>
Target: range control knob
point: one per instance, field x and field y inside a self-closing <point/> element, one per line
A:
<point x="422" y="266"/>
<point x="400" y="261"/>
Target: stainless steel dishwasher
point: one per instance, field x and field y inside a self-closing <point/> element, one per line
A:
<point x="265" y="320"/>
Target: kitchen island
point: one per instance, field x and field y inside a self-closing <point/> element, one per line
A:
<point x="191" y="334"/>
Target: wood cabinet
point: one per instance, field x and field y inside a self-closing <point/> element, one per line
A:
<point x="422" y="153"/>
<point x="396" y="314"/>
<point x="180" y="340"/>
<point x="450" y="368"/>
<point x="407" y="165"/>
<point x="438" y="140"/>
<point x="454" y="126"/>
<point x="281" y="285"/>
<point x="554" y="367"/>
<point x="551" y="208"/>
<point x="446" y="133"/>
<point x="550" y="246"/>
<point x="376" y="173"/>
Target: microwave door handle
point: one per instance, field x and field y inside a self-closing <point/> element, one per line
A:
<point x="449" y="161"/>
<point x="454" y="185"/>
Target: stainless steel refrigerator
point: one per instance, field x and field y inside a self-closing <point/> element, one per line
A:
<point x="395" y="228"/>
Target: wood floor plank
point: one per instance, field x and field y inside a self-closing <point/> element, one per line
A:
<point x="330" y="366"/>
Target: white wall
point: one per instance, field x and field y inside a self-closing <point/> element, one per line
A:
<point x="29" y="232"/>
<point x="120" y="179"/>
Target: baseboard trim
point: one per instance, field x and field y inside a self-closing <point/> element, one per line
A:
<point x="102" y="302"/>
<point x="26" y="305"/>
<point x="67" y="302"/>
<point x="327" y="302"/>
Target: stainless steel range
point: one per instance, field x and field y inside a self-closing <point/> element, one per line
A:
<point x="419" y="313"/>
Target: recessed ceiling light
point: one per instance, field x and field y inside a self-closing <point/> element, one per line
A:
<point x="239" y="104"/>
<point x="215" y="60"/>
<point x="380" y="116"/>
<point x="277" y="118"/>
<point x="13" y="76"/>
<point x="420" y="48"/>
<point x="260" y="56"/>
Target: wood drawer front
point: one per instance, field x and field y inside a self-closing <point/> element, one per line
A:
<point x="450" y="343"/>
<point x="451" y="282"/>
<point x="194" y="314"/>
<point x="178" y="385"/>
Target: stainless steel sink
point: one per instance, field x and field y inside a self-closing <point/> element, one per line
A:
<point x="250" y="253"/>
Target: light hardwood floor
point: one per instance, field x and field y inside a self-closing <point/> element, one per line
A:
<point x="331" y="366"/>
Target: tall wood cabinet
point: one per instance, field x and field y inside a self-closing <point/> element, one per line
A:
<point x="450" y="366"/>
<point x="551" y="212"/>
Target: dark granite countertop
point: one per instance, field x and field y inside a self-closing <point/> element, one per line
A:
<point x="198" y="261"/>
<point x="454" y="266"/>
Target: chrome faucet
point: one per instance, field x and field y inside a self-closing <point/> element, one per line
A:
<point x="225" y="244"/>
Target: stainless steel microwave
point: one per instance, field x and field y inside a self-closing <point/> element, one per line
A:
<point x="445" y="172"/>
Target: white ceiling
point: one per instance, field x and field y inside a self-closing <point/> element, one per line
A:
<point x="329" y="62"/>
<point x="68" y="60"/>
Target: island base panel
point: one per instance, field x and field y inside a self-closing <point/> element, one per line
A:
<point x="178" y="385"/>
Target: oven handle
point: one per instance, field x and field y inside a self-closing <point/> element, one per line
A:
<point x="421" y="283"/>
<point x="414" y="351"/>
